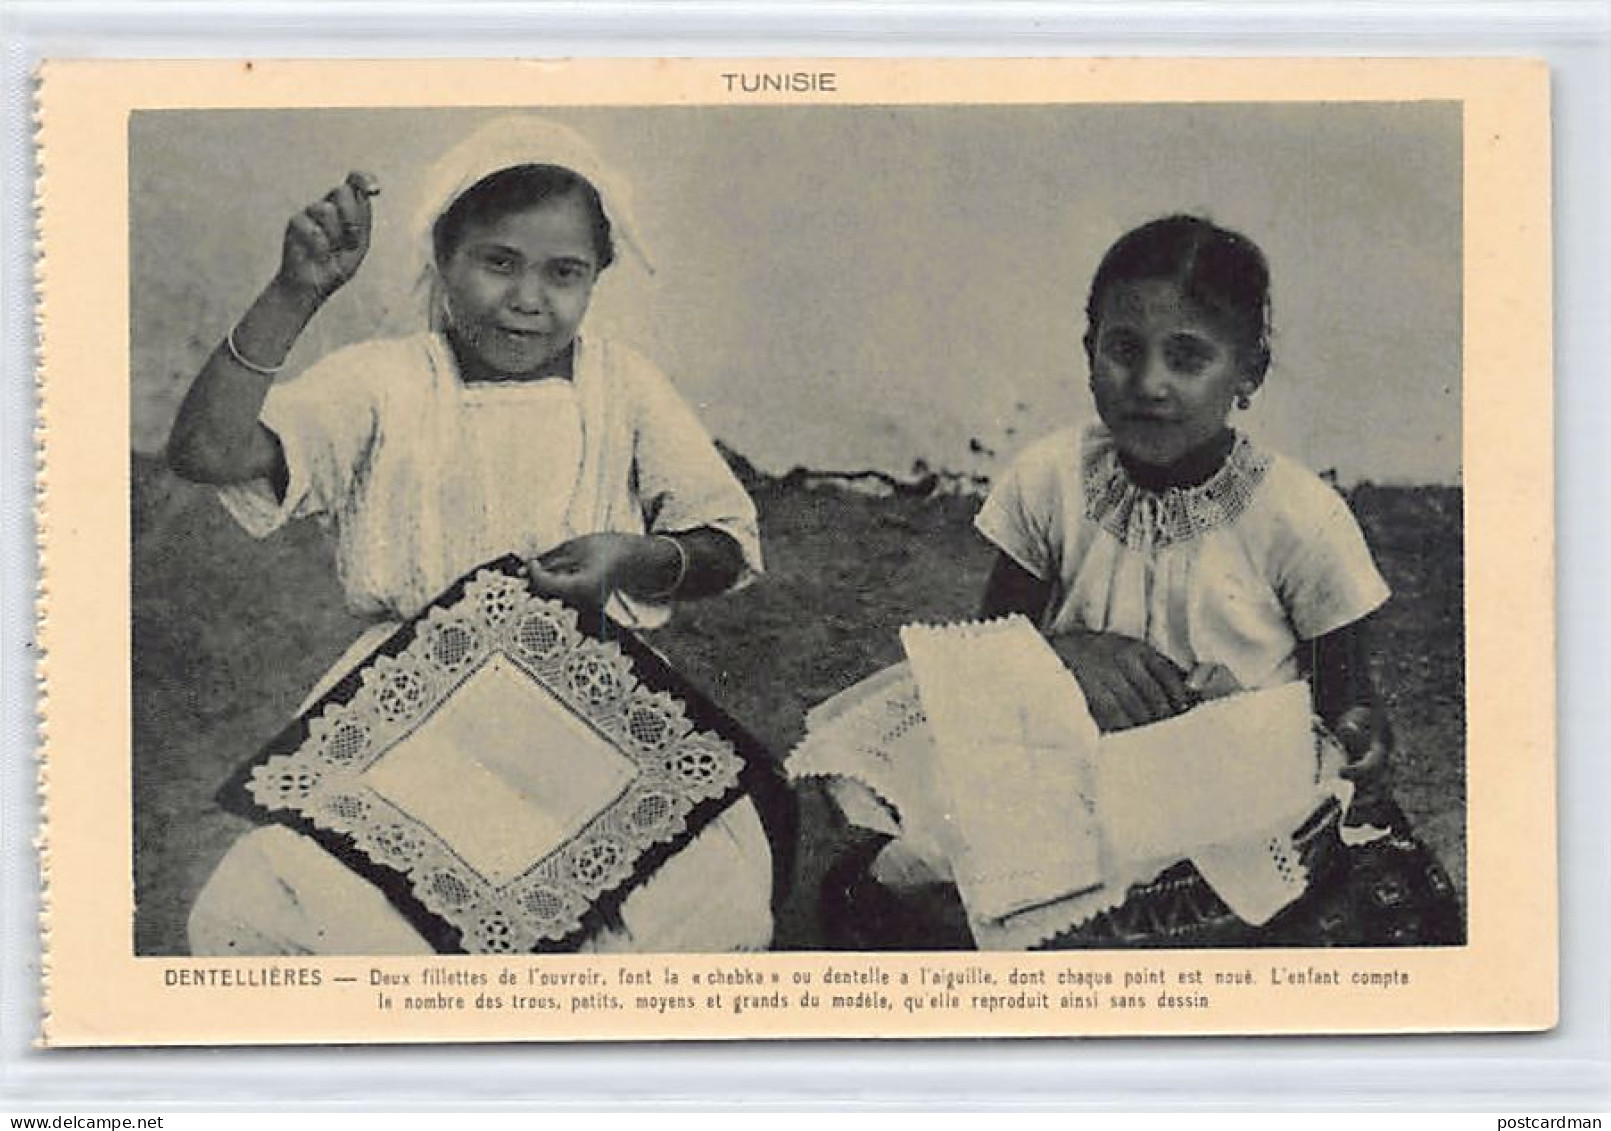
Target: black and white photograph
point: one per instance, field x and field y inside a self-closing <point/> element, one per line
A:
<point x="832" y="528"/>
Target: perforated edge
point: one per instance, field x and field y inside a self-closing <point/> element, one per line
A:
<point x="40" y="354"/>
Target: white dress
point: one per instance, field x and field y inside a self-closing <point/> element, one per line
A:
<point x="422" y="478"/>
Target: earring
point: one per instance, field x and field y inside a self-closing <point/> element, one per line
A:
<point x="1243" y="401"/>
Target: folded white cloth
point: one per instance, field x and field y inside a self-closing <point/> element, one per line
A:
<point x="981" y="755"/>
<point x="1210" y="776"/>
<point x="1014" y="746"/>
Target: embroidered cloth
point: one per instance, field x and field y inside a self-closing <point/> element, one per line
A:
<point x="501" y="768"/>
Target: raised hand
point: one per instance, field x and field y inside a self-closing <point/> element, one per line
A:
<point x="1127" y="682"/>
<point x="217" y="436"/>
<point x="326" y="242"/>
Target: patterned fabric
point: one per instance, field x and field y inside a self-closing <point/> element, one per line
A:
<point x="1145" y="520"/>
<point x="506" y="773"/>
<point x="1391" y="891"/>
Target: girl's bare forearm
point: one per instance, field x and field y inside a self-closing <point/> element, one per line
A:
<point x="217" y="437"/>
<point x="1339" y="671"/>
<point x="715" y="562"/>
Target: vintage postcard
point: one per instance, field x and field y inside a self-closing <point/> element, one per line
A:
<point x="605" y="550"/>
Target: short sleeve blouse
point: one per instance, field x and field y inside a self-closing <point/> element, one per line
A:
<point x="1239" y="571"/>
<point x="423" y="477"/>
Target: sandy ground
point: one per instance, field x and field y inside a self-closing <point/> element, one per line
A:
<point x="228" y="635"/>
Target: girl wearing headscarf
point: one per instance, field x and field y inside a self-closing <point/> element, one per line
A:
<point x="501" y="428"/>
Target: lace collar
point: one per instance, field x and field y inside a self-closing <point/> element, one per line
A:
<point x="1151" y="520"/>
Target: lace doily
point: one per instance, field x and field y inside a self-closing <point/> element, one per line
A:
<point x="511" y="768"/>
<point x="1151" y="520"/>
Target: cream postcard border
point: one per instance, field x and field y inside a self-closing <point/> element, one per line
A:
<point x="97" y="992"/>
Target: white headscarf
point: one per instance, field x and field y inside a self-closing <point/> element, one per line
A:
<point x="524" y="139"/>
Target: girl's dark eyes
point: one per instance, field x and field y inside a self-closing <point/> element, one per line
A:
<point x="564" y="272"/>
<point x="1182" y="353"/>
<point x="499" y="262"/>
<point x="1122" y="348"/>
<point x="568" y="272"/>
<point x="1185" y="354"/>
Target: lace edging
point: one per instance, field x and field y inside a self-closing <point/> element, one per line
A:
<point x="677" y="767"/>
<point x="853" y="735"/>
<point x="1148" y="520"/>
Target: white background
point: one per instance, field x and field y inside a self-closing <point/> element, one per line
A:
<point x="843" y="288"/>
